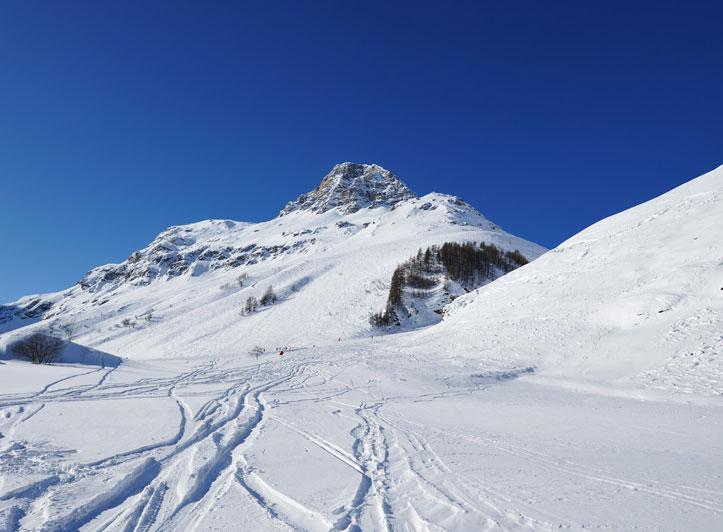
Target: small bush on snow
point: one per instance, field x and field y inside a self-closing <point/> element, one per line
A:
<point x="39" y="348"/>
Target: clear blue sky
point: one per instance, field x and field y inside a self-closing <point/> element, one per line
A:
<point x="118" y="119"/>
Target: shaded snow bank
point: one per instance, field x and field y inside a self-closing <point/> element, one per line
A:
<point x="71" y="353"/>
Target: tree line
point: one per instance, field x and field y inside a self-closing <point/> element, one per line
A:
<point x="468" y="263"/>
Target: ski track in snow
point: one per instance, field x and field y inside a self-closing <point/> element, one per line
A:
<point x="178" y="483"/>
<point x="399" y="480"/>
<point x="173" y="484"/>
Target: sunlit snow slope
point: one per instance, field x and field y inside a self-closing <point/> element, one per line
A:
<point x="636" y="298"/>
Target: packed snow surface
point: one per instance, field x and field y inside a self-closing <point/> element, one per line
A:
<point x="581" y="391"/>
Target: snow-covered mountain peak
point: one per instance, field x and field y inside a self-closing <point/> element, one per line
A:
<point x="333" y="251"/>
<point x="353" y="199"/>
<point x="349" y="187"/>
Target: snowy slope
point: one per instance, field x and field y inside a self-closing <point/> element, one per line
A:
<point x="329" y="256"/>
<point x="636" y="298"/>
<point x="528" y="408"/>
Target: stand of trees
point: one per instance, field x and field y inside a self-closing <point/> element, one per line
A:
<point x="253" y="304"/>
<point x="468" y="264"/>
<point x="394" y="302"/>
<point x="39" y="348"/>
<point x="269" y="297"/>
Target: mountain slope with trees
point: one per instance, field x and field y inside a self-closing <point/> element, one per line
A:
<point x="422" y="286"/>
<point x="328" y="256"/>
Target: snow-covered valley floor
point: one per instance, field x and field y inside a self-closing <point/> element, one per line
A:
<point x="352" y="435"/>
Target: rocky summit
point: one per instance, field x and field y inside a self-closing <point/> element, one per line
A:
<point x="350" y="187"/>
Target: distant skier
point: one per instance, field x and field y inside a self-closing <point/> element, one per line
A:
<point x="281" y="353"/>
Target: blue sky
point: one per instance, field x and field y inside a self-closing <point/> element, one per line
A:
<point x="118" y="119"/>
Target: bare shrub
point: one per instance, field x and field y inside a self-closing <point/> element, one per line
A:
<point x="269" y="297"/>
<point x="63" y="330"/>
<point x="257" y="351"/>
<point x="39" y="348"/>
<point x="68" y="330"/>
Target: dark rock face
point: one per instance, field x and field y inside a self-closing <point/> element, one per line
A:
<point x="35" y="308"/>
<point x="159" y="262"/>
<point x="350" y="187"/>
<point x="192" y="250"/>
<point x="189" y="249"/>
